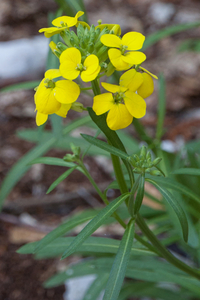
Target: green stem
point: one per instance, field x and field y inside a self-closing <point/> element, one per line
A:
<point x="102" y="196"/>
<point x="86" y="88"/>
<point x="163" y="251"/>
<point x="95" y="87"/>
<point x="119" y="174"/>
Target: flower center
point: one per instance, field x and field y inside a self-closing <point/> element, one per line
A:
<point x="118" y="98"/>
<point x="49" y="83"/>
<point x="123" y="48"/>
<point x="80" y="67"/>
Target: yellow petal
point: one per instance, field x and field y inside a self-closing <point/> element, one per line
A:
<point x="147" y="88"/>
<point x="134" y="58"/>
<point x="113" y="88"/>
<point x="89" y="77"/>
<point x="50" y="31"/>
<point x="84" y="24"/>
<point x="66" y="91"/>
<point x="45" y="100"/>
<point x="117" y="61"/>
<point x="145" y="70"/>
<point x="70" y="21"/>
<point x="52" y="73"/>
<point x="91" y="63"/>
<point x="111" y="40"/>
<point x="134" y="40"/>
<point x="135" y="104"/>
<point x="118" y="117"/>
<point x="131" y="79"/>
<point x="69" y="60"/>
<point x="41" y="118"/>
<point x="102" y="103"/>
<point x="62" y="112"/>
<point x="115" y="27"/>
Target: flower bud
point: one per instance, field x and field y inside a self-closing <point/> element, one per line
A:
<point x="156" y="161"/>
<point x="54" y="48"/>
<point x="155" y="173"/>
<point x="69" y="158"/>
<point x="77" y="106"/>
<point x="61" y="46"/>
<point x="75" y="149"/>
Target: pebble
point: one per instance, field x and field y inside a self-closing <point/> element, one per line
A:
<point x="161" y="12"/>
<point x="23" y="57"/>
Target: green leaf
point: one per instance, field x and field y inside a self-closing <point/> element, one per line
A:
<point x="60" y="179"/>
<point x="140" y="195"/>
<point x="118" y="270"/>
<point x="187" y="171"/>
<point x="64" y="228"/>
<point x="174" y="185"/>
<point x="21" y="86"/>
<point x="105" y="146"/>
<point x="94" y="224"/>
<point x="161" y="107"/>
<point x="53" y="161"/>
<point x="168" y="31"/>
<point x="53" y="246"/>
<point x="175" y="206"/>
<point x="71" y="7"/>
<point x="20" y="168"/>
<point x="96" y="287"/>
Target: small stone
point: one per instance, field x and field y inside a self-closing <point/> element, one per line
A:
<point x="161" y="12"/>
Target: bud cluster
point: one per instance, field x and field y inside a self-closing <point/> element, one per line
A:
<point x="143" y="162"/>
<point x="75" y="156"/>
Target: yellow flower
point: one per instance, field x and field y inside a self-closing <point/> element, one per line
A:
<point x="114" y="27"/>
<point x="140" y="82"/>
<point x="61" y="23"/>
<point x="54" y="97"/>
<point x="125" y="56"/>
<point x="71" y="66"/>
<point x="122" y="105"/>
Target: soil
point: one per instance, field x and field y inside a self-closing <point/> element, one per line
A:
<point x="21" y="277"/>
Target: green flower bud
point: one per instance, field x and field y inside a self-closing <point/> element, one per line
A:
<point x="83" y="44"/>
<point x="143" y="152"/>
<point x="74" y="36"/>
<point x="148" y="155"/>
<point x="110" y="69"/>
<point x="77" y="106"/>
<point x="66" y="37"/>
<point x="90" y="48"/>
<point x="155" y="173"/>
<point x="80" y="31"/>
<point x="156" y="161"/>
<point x="69" y="158"/>
<point x="75" y="149"/>
<point x="136" y="157"/>
<point x="61" y="46"/>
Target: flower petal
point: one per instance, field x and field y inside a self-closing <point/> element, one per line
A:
<point x="62" y="112"/>
<point x="41" y="118"/>
<point x="52" y="73"/>
<point x="133" y="58"/>
<point x="135" y="104"/>
<point x="117" y="61"/>
<point x="115" y="27"/>
<point x="131" y="79"/>
<point x="145" y="70"/>
<point x="89" y="77"/>
<point x="102" y="103"/>
<point x="118" y="117"/>
<point x="134" y="40"/>
<point x="45" y="100"/>
<point x="113" y="88"/>
<point x="66" y="91"/>
<point x="69" y="60"/>
<point x="50" y="31"/>
<point x="111" y="40"/>
<point x="70" y="21"/>
<point x="91" y="63"/>
<point x="147" y="88"/>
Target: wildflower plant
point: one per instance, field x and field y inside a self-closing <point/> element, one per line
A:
<point x="86" y="54"/>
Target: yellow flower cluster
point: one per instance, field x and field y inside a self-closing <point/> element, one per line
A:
<point x="89" y="52"/>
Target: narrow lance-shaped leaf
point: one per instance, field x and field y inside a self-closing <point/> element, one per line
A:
<point x="105" y="146"/>
<point x="187" y="171"/>
<point x="60" y="179"/>
<point x="53" y="161"/>
<point x="175" y="206"/>
<point x="94" y="224"/>
<point x="96" y="287"/>
<point x="132" y="195"/>
<point x="65" y="227"/>
<point x="140" y="195"/>
<point x="118" y="270"/>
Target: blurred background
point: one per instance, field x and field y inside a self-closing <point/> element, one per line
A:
<point x="29" y="214"/>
